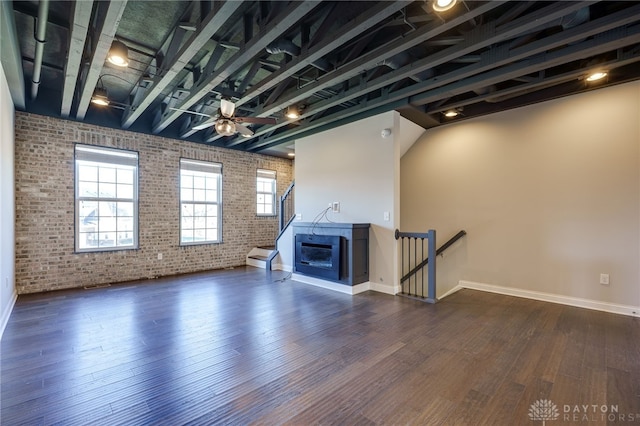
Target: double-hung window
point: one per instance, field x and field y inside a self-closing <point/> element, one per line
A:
<point x="200" y="202"/>
<point x="106" y="198"/>
<point x="266" y="192"/>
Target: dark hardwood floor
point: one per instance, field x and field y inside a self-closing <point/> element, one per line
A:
<point x="239" y="347"/>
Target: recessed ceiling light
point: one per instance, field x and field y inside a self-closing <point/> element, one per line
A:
<point x="291" y="154"/>
<point x="451" y="113"/>
<point x="598" y="75"/>
<point x="443" y="5"/>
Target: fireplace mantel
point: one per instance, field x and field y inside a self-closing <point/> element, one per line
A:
<point x="354" y="250"/>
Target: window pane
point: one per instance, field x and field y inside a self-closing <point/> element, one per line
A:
<point x="107" y="174"/>
<point x="87" y="189"/>
<point x="187" y="209"/>
<point x="199" y="195"/>
<point x="199" y="210"/>
<point x="107" y="190"/>
<point x="88" y="240"/>
<point x="124" y="191"/>
<point x="212" y="234"/>
<point x="199" y="222"/>
<point x="186" y="180"/>
<point x="187" y="222"/>
<point x="125" y="176"/>
<point x="87" y="173"/>
<point x="199" y="182"/>
<point x="187" y="236"/>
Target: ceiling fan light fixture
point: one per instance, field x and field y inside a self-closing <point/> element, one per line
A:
<point x="118" y="54"/>
<point x="597" y="75"/>
<point x="225" y="127"/>
<point x="443" y="5"/>
<point x="292" y="113"/>
<point x="100" y="97"/>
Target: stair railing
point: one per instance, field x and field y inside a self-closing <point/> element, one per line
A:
<point x="413" y="253"/>
<point x="286" y="214"/>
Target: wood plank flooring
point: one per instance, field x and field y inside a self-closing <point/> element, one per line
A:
<point x="241" y="347"/>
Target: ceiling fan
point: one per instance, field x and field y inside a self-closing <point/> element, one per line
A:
<point x="225" y="121"/>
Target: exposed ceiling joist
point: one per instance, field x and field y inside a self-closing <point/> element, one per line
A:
<point x="366" y="62"/>
<point x="274" y="29"/>
<point x="108" y="27"/>
<point x="544" y="82"/>
<point x="478" y="38"/>
<point x="322" y="48"/>
<point x="418" y="94"/>
<point x="206" y="30"/>
<point x="80" y="19"/>
<point x="11" y="57"/>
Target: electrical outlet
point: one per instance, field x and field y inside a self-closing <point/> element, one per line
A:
<point x="335" y="207"/>
<point x="298" y="216"/>
<point x="604" y="279"/>
<point x="386" y="216"/>
<point x="159" y="256"/>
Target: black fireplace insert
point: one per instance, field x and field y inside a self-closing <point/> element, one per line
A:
<point x="318" y="255"/>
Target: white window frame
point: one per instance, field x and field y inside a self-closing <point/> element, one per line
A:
<point x="206" y="172"/>
<point x="263" y="178"/>
<point x="101" y="158"/>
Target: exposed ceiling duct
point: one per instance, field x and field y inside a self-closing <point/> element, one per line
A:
<point x="290" y="48"/>
<point x="40" y="35"/>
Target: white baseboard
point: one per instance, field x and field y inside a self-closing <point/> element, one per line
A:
<point x="450" y="292"/>
<point x="614" y="308"/>
<point x="384" y="288"/>
<point x="7" y="313"/>
<point x="281" y="267"/>
<point x="342" y="288"/>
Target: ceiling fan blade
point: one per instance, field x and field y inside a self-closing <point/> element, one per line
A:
<point x="190" y="112"/>
<point x="256" y="120"/>
<point x="207" y="123"/>
<point x="227" y="108"/>
<point x="243" y="130"/>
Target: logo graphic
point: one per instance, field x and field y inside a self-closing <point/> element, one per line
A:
<point x="543" y="409"/>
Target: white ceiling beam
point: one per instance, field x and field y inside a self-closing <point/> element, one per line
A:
<point x="106" y="31"/>
<point x="80" y="18"/>
<point x="11" y="57"/>
<point x="206" y="29"/>
<point x="277" y="26"/>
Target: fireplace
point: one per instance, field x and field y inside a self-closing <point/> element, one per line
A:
<point x="318" y="255"/>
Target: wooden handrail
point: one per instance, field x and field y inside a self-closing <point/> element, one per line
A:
<point x="439" y="251"/>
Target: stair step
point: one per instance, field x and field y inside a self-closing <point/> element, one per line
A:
<point x="258" y="257"/>
<point x="267" y="247"/>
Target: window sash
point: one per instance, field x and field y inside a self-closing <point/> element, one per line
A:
<point x="110" y="222"/>
<point x="195" y="196"/>
<point x="265" y="192"/>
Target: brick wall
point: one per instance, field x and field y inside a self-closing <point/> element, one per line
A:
<point x="44" y="167"/>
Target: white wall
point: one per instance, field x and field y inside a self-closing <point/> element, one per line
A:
<point x="356" y="166"/>
<point x="549" y="195"/>
<point x="7" y="204"/>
